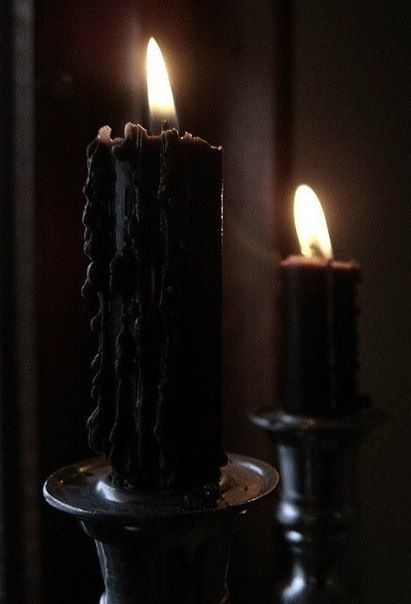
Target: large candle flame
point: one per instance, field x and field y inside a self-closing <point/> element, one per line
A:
<point x="311" y="224"/>
<point x="160" y="95"/>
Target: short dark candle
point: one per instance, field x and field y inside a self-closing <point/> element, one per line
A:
<point x="319" y="352"/>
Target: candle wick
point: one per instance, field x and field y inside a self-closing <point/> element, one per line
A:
<point x="164" y="125"/>
<point x="316" y="249"/>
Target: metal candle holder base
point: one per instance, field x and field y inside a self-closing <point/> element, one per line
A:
<point x="317" y="463"/>
<point x="160" y="548"/>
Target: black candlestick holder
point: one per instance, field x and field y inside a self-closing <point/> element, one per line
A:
<point x="161" y="547"/>
<point x="317" y="459"/>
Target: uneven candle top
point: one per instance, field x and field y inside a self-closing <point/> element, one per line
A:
<point x="316" y="262"/>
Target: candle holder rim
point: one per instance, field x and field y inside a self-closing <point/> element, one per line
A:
<point x="78" y="489"/>
<point x="277" y="420"/>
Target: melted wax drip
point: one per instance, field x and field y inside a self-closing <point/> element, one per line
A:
<point x="99" y="192"/>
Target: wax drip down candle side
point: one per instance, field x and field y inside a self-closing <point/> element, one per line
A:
<point x="153" y="222"/>
<point x="319" y="352"/>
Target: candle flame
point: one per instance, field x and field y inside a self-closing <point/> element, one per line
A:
<point x="160" y="95"/>
<point x="311" y="224"/>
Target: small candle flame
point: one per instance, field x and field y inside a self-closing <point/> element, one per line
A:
<point x="311" y="224"/>
<point x="160" y="95"/>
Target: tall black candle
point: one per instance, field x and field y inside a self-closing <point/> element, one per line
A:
<point x="319" y="360"/>
<point x="158" y="369"/>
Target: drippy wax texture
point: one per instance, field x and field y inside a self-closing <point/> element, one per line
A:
<point x="153" y="234"/>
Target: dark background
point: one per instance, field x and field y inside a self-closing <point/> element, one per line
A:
<point x="296" y="92"/>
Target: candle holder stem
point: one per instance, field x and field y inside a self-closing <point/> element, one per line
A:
<point x="317" y="459"/>
<point x="161" y="547"/>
